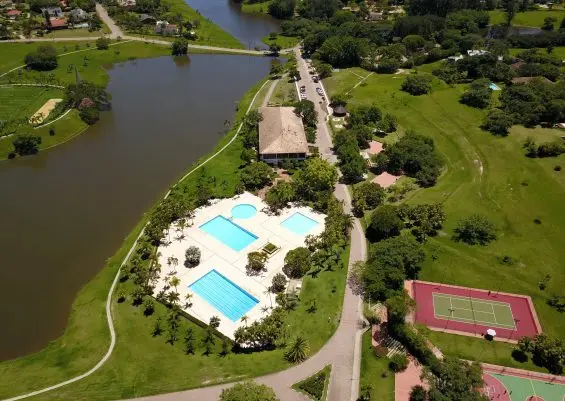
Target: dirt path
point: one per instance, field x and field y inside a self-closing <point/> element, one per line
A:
<point x="270" y="93"/>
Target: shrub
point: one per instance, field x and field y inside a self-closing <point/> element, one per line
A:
<point x="297" y="262"/>
<point x="417" y="84"/>
<point x="557" y="168"/>
<point x="89" y="115"/>
<point x="102" y="43"/>
<point x="298" y="350"/>
<point x="314" y="385"/>
<point x="398" y="363"/>
<point x="248" y="391"/>
<point x="256" y="175"/>
<point x="179" y="47"/>
<point x="381" y="351"/>
<point x="43" y="59"/>
<point x="387" y="66"/>
<point x="51" y="132"/>
<point x="192" y="255"/>
<point x="279" y="283"/>
<point x="418" y="393"/>
<point x="475" y="229"/>
<point x="26" y="144"/>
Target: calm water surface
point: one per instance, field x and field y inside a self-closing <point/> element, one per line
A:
<point x="66" y="210"/>
<point x="248" y="28"/>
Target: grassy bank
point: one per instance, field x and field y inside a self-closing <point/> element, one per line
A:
<point x="91" y="64"/>
<point x="375" y="372"/>
<point x="487" y="175"/>
<point x="256" y="8"/>
<point x="145" y="364"/>
<point x="284" y="42"/>
<point x="528" y="18"/>
<point x="209" y="34"/>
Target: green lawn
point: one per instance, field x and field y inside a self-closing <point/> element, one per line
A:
<point x="528" y="18"/>
<point x="209" y="33"/>
<point x="74" y="33"/>
<point x="256" y="8"/>
<point x="284" y="42"/>
<point x="285" y="92"/>
<point x="22" y="102"/>
<point x="12" y="54"/>
<point x="372" y="371"/>
<point x="147" y="365"/>
<point x="488" y="175"/>
<point x="557" y="51"/>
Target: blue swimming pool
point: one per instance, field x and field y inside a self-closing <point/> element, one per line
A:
<point x="243" y="211"/>
<point x="494" y="86"/>
<point x="299" y="224"/>
<point x="228" y="233"/>
<point x="224" y="295"/>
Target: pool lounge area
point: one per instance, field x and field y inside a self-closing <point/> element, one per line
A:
<point x="225" y="232"/>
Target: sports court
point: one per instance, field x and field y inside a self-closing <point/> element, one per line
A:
<point x="515" y="387"/>
<point x="471" y="311"/>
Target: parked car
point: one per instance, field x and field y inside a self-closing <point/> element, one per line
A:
<point x="319" y="90"/>
<point x="315" y="79"/>
<point x="303" y="96"/>
<point x="303" y="89"/>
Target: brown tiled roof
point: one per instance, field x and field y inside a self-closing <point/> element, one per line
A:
<point x="281" y="131"/>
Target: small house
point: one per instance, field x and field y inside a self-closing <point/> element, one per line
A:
<point x="147" y="19"/>
<point x="13" y="14"/>
<point x="339" y="111"/>
<point x="78" y="15"/>
<point x="127" y="3"/>
<point x="58" y="23"/>
<point x="474" y="53"/>
<point x="52" y="12"/>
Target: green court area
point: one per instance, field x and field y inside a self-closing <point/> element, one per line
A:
<point x="522" y="388"/>
<point x="22" y="102"/>
<point x="473" y="310"/>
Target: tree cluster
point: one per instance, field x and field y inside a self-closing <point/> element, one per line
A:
<point x="263" y="333"/>
<point x="414" y="155"/>
<point x="44" y="58"/>
<point x="475" y="229"/>
<point x="352" y="165"/>
<point x="417" y="84"/>
<point x="548" y="352"/>
<point x="478" y="95"/>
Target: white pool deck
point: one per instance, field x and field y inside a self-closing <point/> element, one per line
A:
<point x="216" y="255"/>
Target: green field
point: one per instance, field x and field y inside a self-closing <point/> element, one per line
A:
<point x="372" y="371"/>
<point x="148" y="365"/>
<point x="209" y="33"/>
<point x="488" y="175"/>
<point x="557" y="51"/>
<point x="284" y="42"/>
<point x="22" y="102"/>
<point x="256" y="8"/>
<point x="528" y="18"/>
<point x="74" y="33"/>
<point x="285" y="92"/>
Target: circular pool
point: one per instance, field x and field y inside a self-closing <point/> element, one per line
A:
<point x="243" y="211"/>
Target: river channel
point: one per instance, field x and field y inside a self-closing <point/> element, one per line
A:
<point x="248" y="28"/>
<point x="64" y="211"/>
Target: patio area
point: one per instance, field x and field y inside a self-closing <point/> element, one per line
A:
<point x="219" y="254"/>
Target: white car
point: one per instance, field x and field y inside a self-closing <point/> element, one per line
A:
<point x="319" y="90"/>
<point x="303" y="96"/>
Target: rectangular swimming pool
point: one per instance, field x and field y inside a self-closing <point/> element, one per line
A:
<point x="228" y="233"/>
<point x="224" y="295"/>
<point x="299" y="224"/>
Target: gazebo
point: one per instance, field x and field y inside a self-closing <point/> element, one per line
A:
<point x="340" y="111"/>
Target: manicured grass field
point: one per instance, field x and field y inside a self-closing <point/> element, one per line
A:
<point x="209" y="33"/>
<point x="22" y="102"/>
<point x="148" y="365"/>
<point x="488" y="175"/>
<point x="284" y="42"/>
<point x="12" y="54"/>
<point x="372" y="370"/>
<point x="528" y="18"/>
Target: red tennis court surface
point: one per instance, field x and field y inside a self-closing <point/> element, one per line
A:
<point x="472" y="312"/>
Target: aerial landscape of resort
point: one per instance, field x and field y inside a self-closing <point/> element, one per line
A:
<point x="272" y="200"/>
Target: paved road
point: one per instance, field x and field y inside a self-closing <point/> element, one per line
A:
<point x="116" y="32"/>
<point x="344" y="348"/>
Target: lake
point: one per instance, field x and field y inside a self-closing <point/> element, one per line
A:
<point x="64" y="211"/>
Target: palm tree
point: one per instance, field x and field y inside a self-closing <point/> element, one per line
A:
<point x="187" y="298"/>
<point x="244" y="319"/>
<point x="265" y="309"/>
<point x="175" y="281"/>
<point x="298" y="350"/>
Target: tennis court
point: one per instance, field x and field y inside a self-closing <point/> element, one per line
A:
<point x="473" y="310"/>
<point x="512" y="387"/>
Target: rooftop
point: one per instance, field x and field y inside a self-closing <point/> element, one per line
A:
<point x="281" y="131"/>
